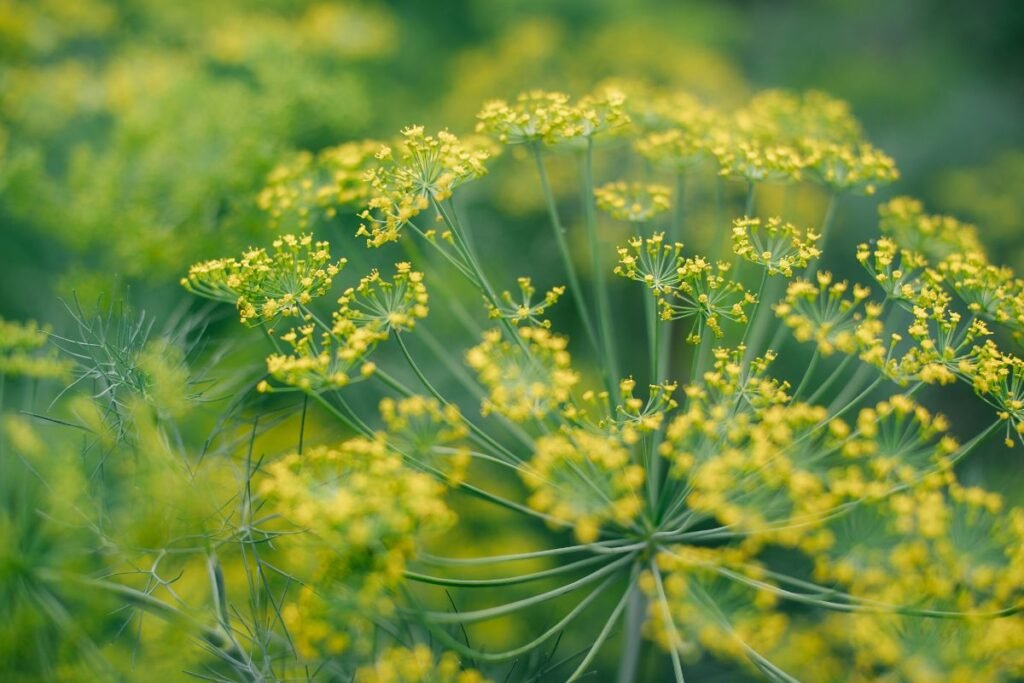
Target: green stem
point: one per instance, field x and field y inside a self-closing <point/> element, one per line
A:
<point x="651" y="316"/>
<point x="514" y="557"/>
<point x="748" y="207"/>
<point x="675" y="227"/>
<point x="144" y="601"/>
<point x="830" y="380"/>
<point x="508" y="580"/>
<point x="677" y="667"/>
<point x="511" y="607"/>
<point x="452" y="221"/>
<point x="462" y="649"/>
<point x="600" y="277"/>
<point x="826" y="228"/>
<point x="563" y="250"/>
<point x="605" y="630"/>
<point x="636" y="613"/>
<point x="757" y="306"/>
<point x="347" y="420"/>
<point x="808" y="373"/>
<point x="487" y="438"/>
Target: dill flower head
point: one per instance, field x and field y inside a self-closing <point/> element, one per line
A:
<point x="602" y="111"/>
<point x="429" y="433"/>
<point x="527" y="378"/>
<point x="364" y="509"/>
<point x="845" y="167"/>
<point x="897" y="271"/>
<point x="265" y="287"/>
<point x="681" y="131"/>
<point x="425" y="169"/>
<point x="786" y="115"/>
<point x="633" y="202"/>
<point x="936" y="237"/>
<point x="417" y="665"/>
<point x="536" y="116"/>
<point x="685" y="288"/>
<point x="23" y="353"/>
<point x="837" y="317"/>
<point x="550" y="118"/>
<point x="310" y="187"/>
<point x="388" y="306"/>
<point x="755" y="160"/>
<point x="322" y="360"/>
<point x="584" y="479"/>
<point x="525" y="309"/>
<point x="775" y="245"/>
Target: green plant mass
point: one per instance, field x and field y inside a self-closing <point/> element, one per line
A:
<point x="649" y="376"/>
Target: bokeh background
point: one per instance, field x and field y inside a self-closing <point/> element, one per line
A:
<point x="136" y="136"/>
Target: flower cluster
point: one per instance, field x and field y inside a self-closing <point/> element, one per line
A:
<point x="428" y="433"/>
<point x="309" y="187"/>
<point x="777" y="246"/>
<point x="528" y="377"/>
<point x="685" y="287"/>
<point x="823" y="312"/>
<point x="777" y="136"/>
<point x="525" y="310"/>
<point x="584" y="479"/>
<point x="387" y="306"/>
<point x="633" y="202"/>
<point x="324" y="357"/>
<point x="551" y="118"/>
<point x="320" y="360"/>
<point x="265" y="286"/>
<point x="424" y="169"/>
<point x="417" y="665"/>
<point x="366" y="509"/>
<point x="22" y="352"/>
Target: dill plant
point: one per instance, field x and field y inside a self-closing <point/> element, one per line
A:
<point x="811" y="528"/>
<point x="752" y="473"/>
<point x="683" y="495"/>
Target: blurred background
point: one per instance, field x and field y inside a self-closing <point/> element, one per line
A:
<point x="137" y="135"/>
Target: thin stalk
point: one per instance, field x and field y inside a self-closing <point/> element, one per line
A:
<point x="811" y="366"/>
<point x="347" y="420"/>
<point x="142" y="600"/>
<point x="830" y="380"/>
<point x="563" y="250"/>
<point x="651" y="316"/>
<point x="510" y="505"/>
<point x="757" y="306"/>
<point x="600" y="277"/>
<point x="507" y="580"/>
<point x="629" y="661"/>
<point x="861" y="604"/>
<point x="515" y="606"/>
<point x="675" y="226"/>
<point x="826" y="227"/>
<point x="487" y="438"/>
<point x="514" y="557"/>
<point x="748" y="207"/>
<point x="605" y="630"/>
<point x="464" y="650"/>
<point x="677" y="667"/>
<point x="452" y="220"/>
